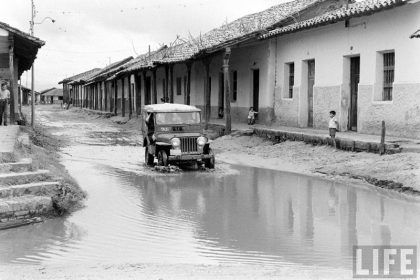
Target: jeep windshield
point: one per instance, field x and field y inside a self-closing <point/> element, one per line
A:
<point x="178" y="118"/>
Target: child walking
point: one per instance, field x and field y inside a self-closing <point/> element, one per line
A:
<point x="333" y="126"/>
<point x="251" y="116"/>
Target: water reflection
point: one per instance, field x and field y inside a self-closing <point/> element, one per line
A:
<point x="255" y="216"/>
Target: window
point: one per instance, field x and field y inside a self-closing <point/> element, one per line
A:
<point x="178" y="86"/>
<point x="291" y="79"/>
<point x="235" y="86"/>
<point x="388" y="78"/>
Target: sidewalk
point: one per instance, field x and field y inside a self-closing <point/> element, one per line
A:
<point x="8" y="136"/>
<point x="406" y="144"/>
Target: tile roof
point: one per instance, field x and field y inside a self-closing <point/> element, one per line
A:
<point x="356" y="9"/>
<point x="415" y="34"/>
<point x="107" y="71"/>
<point x="145" y="60"/>
<point x="22" y="34"/>
<point x="240" y="28"/>
<point x="54" y="92"/>
<point x="78" y="77"/>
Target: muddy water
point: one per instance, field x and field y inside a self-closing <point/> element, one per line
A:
<point x="252" y="216"/>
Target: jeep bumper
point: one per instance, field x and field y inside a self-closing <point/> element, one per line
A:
<point x="189" y="157"/>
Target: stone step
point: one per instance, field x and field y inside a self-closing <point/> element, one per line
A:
<point x="14" y="223"/>
<point x="20" y="166"/>
<point x="24" y="207"/>
<point x="23" y="177"/>
<point x="38" y="188"/>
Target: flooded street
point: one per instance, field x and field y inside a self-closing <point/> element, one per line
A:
<point x="242" y="216"/>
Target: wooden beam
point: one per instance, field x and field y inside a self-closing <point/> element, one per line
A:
<point x="226" y="71"/>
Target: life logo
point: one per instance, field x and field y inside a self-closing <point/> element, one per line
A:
<point x="385" y="262"/>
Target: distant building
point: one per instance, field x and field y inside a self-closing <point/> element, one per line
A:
<point x="18" y="51"/>
<point x="52" y="96"/>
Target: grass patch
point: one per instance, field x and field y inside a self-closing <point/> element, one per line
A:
<point x="43" y="150"/>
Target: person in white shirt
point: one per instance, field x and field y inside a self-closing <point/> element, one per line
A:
<point x="333" y="127"/>
<point x="4" y="100"/>
<point x="251" y="116"/>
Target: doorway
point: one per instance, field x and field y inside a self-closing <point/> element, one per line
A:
<point x="256" y="90"/>
<point x="354" y="87"/>
<point x="148" y="93"/>
<point x="311" y="82"/>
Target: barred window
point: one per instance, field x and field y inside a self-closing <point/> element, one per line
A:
<point x="388" y="79"/>
<point x="235" y="86"/>
<point x="291" y="79"/>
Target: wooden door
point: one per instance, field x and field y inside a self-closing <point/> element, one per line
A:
<point x="311" y="82"/>
<point x="256" y="90"/>
<point x="354" y="87"/>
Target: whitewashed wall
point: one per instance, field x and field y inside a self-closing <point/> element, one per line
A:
<point x="331" y="46"/>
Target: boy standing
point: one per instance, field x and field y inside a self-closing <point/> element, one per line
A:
<point x="4" y="100"/>
<point x="251" y="116"/>
<point x="333" y="126"/>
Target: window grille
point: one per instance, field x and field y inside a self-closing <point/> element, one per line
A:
<point x="291" y="79"/>
<point x="389" y="68"/>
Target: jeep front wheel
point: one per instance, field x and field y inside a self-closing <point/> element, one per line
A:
<point x="162" y="158"/>
<point x="209" y="163"/>
<point x="148" y="158"/>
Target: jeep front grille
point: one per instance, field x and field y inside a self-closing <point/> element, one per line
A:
<point x="189" y="144"/>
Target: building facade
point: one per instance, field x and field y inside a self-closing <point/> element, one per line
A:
<point x="354" y="58"/>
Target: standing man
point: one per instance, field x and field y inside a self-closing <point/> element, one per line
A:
<point x="4" y="100"/>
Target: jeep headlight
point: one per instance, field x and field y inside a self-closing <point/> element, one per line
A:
<point x="201" y="141"/>
<point x="175" y="142"/>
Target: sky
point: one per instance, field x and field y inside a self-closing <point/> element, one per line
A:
<point x="90" y="34"/>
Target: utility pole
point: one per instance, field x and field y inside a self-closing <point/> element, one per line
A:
<point x="32" y="71"/>
<point x="33" y="97"/>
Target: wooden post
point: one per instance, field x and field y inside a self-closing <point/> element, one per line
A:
<point x="100" y="93"/>
<point x="171" y="83"/>
<point x="111" y="103"/>
<point x="382" y="145"/>
<point x="226" y="58"/>
<point x="105" y="85"/>
<point x="130" y="99"/>
<point x="146" y="101"/>
<point x="12" y="82"/>
<point x="137" y="79"/>
<point x="122" y="98"/>
<point x="207" y="97"/>
<point x="154" y="86"/>
<point x="166" y="92"/>
<point x="187" y="97"/>
<point x="97" y="97"/>
<point x="116" y="97"/>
